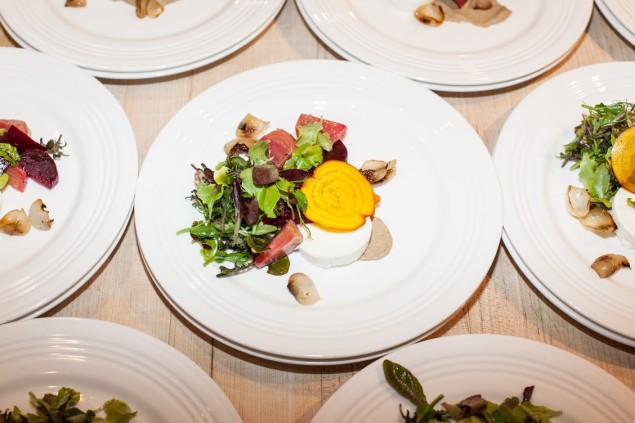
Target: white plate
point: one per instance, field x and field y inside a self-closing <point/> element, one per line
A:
<point x="608" y="10"/>
<point x="103" y="360"/>
<point x="534" y="38"/>
<point x="108" y="40"/>
<point x="557" y="302"/>
<point x="552" y="244"/>
<point x="91" y="203"/>
<point x="494" y="366"/>
<point x="433" y="86"/>
<point x="442" y="248"/>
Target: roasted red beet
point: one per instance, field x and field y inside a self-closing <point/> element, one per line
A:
<point x="338" y="152"/>
<point x="39" y="166"/>
<point x="20" y="140"/>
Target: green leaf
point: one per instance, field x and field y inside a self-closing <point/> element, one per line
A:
<point x="4" y="178"/>
<point x="118" y="411"/>
<point x="404" y="382"/>
<point x="9" y="153"/>
<point x="267" y="199"/>
<point x="301" y="200"/>
<point x="258" y="152"/>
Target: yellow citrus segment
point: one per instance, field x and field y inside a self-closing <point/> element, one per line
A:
<point x="623" y="159"/>
<point x="338" y="196"/>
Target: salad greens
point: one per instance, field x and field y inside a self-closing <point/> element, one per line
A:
<point x="61" y="408"/>
<point x="590" y="150"/>
<point x="245" y="199"/>
<point x="474" y="409"/>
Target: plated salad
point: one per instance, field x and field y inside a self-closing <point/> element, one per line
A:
<point x="474" y="409"/>
<point x="603" y="154"/>
<point x="279" y="191"/>
<point x="21" y="159"/>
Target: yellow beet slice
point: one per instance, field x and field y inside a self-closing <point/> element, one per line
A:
<point x="338" y="196"/>
<point x="623" y="159"/>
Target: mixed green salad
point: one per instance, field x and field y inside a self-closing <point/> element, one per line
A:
<point x="253" y="195"/>
<point x="590" y="150"/>
<point x="62" y="408"/>
<point x="473" y="409"/>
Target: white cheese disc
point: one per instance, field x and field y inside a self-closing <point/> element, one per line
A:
<point x="624" y="217"/>
<point x="325" y="248"/>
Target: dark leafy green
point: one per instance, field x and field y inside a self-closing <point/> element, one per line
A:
<point x="474" y="409"/>
<point x="590" y="150"/>
<point x="62" y="408"/>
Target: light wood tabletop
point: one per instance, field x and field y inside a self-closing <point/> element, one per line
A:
<point x="506" y="303"/>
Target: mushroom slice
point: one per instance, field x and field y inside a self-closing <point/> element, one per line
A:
<point x="240" y="140"/>
<point x="251" y="127"/>
<point x="608" y="264"/>
<point x="578" y="201"/>
<point x="482" y="4"/>
<point x="154" y="8"/>
<point x="430" y="14"/>
<point x="380" y="241"/>
<point x="40" y="216"/>
<point x="599" y="219"/>
<point x="378" y="171"/>
<point x="303" y="289"/>
<point x="15" y="222"/>
<point x="75" y="3"/>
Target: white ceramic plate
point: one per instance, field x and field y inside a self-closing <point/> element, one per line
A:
<point x="108" y="40"/>
<point x="536" y="36"/>
<point x="557" y="302"/>
<point x="494" y="366"/>
<point x="609" y="10"/>
<point x="433" y="86"/>
<point x="91" y="203"/>
<point x="552" y="244"/>
<point x="442" y="248"/>
<point x="624" y="11"/>
<point x="103" y="360"/>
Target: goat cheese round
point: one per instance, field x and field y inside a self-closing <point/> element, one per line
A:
<point x="324" y="248"/>
<point x="624" y="217"/>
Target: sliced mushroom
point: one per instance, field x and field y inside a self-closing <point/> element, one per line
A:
<point x="251" y="127"/>
<point x="599" y="219"/>
<point x="380" y="242"/>
<point x="430" y="14"/>
<point x="15" y="222"/>
<point x="75" y="3"/>
<point x="241" y="140"/>
<point x="378" y="171"/>
<point x="482" y="4"/>
<point x="578" y="201"/>
<point x="608" y="264"/>
<point x="40" y="216"/>
<point x="303" y="289"/>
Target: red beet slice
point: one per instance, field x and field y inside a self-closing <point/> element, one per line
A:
<point x="39" y="166"/>
<point x="20" y="140"/>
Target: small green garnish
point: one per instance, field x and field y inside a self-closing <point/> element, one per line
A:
<point x="55" y="147"/>
<point x="630" y="202"/>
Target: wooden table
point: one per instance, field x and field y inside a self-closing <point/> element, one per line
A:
<point x="263" y="391"/>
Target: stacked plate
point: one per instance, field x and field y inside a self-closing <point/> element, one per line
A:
<point x="443" y="209"/>
<point x="494" y="366"/>
<point x="108" y="40"/>
<point x="102" y="361"/>
<point x="621" y="15"/>
<point x="91" y="203"/>
<point x="548" y="244"/>
<point x="456" y="57"/>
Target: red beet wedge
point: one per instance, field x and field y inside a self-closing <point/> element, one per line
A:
<point x="39" y="166"/>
